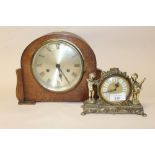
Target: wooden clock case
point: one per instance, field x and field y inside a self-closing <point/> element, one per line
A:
<point x="28" y="91"/>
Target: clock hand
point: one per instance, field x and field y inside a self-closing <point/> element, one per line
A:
<point x="116" y="85"/>
<point x="112" y="90"/>
<point x="64" y="76"/>
<point x="58" y="67"/>
<point x="109" y="91"/>
<point x="62" y="73"/>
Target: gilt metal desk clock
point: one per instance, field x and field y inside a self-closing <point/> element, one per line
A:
<point x="118" y="94"/>
<point x="55" y="67"/>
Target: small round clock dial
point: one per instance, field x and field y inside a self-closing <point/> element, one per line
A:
<point x="58" y="65"/>
<point x="115" y="89"/>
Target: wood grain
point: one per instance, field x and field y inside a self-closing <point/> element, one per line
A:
<point x="19" y="87"/>
<point x="28" y="89"/>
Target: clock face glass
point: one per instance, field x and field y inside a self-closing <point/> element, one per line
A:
<point x="58" y="65"/>
<point x="115" y="89"/>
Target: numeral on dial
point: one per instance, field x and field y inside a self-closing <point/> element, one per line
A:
<point x="58" y="46"/>
<point x="58" y="84"/>
<point x="42" y="74"/>
<point x="42" y="56"/>
<point x="74" y="74"/>
<point x="48" y="81"/>
<point x="48" y="48"/>
<point x="39" y="65"/>
<point x="76" y="65"/>
<point x="74" y="55"/>
<point x="124" y="89"/>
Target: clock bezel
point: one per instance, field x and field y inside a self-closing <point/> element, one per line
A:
<point x="70" y="44"/>
<point x="112" y="73"/>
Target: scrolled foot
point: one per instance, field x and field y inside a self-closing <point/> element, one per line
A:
<point x="144" y="115"/>
<point x="83" y="113"/>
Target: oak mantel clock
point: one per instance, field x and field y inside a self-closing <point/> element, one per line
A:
<point x="55" y="67"/>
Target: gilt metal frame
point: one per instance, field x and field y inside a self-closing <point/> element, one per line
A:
<point x="99" y="105"/>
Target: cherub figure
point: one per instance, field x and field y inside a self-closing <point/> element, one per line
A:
<point x="136" y="88"/>
<point x="91" y="83"/>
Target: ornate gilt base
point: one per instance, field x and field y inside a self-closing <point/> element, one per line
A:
<point x="100" y="107"/>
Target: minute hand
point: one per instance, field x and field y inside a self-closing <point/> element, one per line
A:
<point x="64" y="75"/>
<point x="112" y="90"/>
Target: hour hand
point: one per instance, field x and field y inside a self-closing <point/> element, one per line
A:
<point x="60" y="74"/>
<point x="116" y="85"/>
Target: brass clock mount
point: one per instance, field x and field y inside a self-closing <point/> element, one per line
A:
<point x="118" y="93"/>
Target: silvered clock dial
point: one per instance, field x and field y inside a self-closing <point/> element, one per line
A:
<point x="58" y="65"/>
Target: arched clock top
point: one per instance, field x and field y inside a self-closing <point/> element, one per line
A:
<point x="41" y="78"/>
